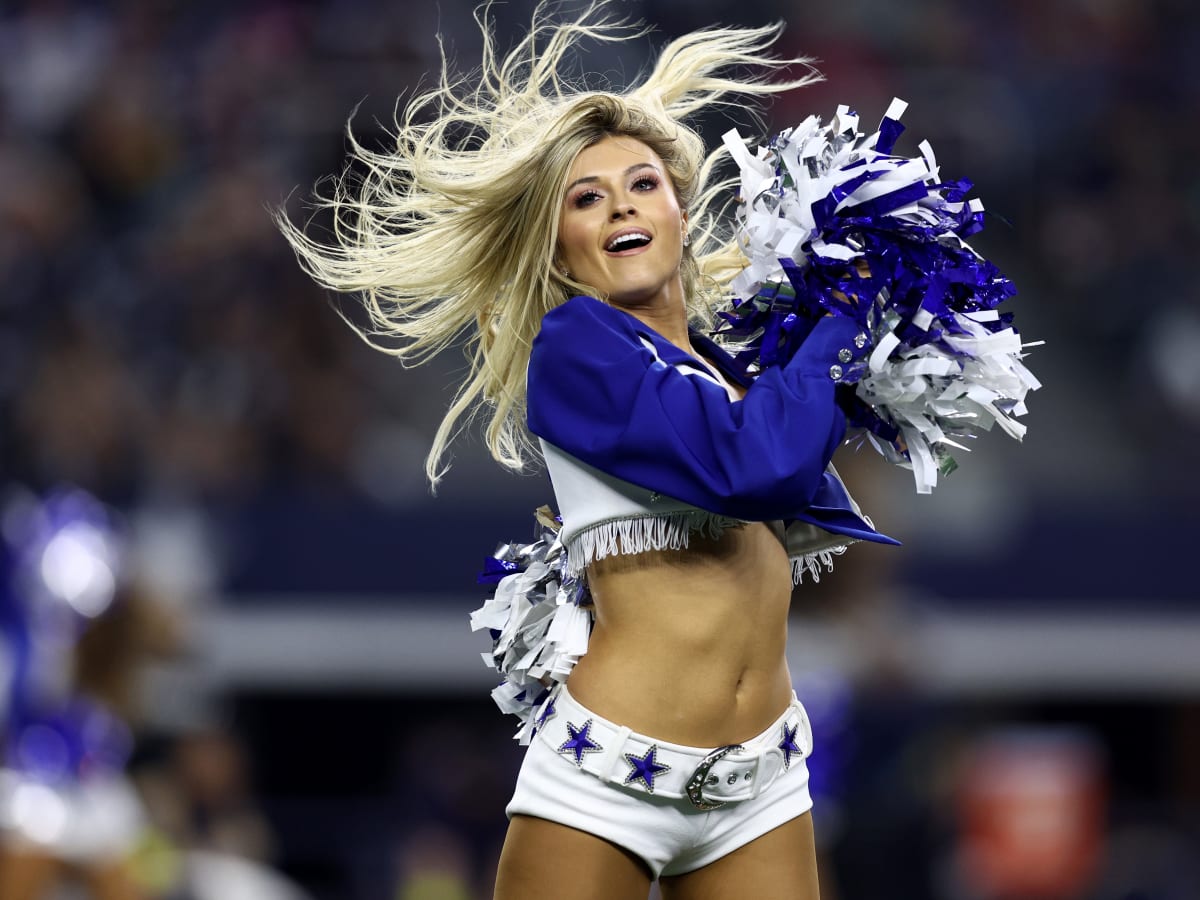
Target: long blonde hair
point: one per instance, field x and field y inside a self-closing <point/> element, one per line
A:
<point x="451" y="236"/>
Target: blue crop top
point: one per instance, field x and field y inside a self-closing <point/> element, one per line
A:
<point x="644" y="447"/>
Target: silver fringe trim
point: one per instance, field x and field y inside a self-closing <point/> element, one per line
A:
<point x="812" y="563"/>
<point x="641" y="534"/>
<point x="672" y="531"/>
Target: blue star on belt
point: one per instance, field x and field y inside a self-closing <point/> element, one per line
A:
<point x="548" y="712"/>
<point x="788" y="745"/>
<point x="645" y="767"/>
<point x="579" y="743"/>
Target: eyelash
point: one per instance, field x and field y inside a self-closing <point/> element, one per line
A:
<point x="583" y="200"/>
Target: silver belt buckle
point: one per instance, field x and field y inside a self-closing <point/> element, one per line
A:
<point x="695" y="784"/>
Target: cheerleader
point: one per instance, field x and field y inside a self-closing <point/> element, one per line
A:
<point x="569" y="237"/>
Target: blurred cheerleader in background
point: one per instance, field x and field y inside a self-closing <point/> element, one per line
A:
<point x="75" y="633"/>
<point x="78" y="624"/>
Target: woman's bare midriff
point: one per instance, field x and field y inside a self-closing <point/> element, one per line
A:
<point x="689" y="646"/>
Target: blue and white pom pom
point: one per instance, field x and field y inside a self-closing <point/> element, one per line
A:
<point x="540" y="620"/>
<point x="832" y="221"/>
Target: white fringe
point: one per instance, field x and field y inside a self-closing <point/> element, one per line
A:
<point x="812" y="562"/>
<point x="641" y="534"/>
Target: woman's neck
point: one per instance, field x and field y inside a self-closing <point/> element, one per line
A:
<point x="670" y="323"/>
<point x="666" y="313"/>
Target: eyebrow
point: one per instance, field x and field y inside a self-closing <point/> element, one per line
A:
<point x="592" y="179"/>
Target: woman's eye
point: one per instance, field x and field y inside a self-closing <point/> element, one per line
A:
<point x="587" y="198"/>
<point x="645" y="183"/>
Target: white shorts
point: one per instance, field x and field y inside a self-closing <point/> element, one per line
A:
<point x="658" y="800"/>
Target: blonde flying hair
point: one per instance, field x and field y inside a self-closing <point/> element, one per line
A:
<point x="451" y="236"/>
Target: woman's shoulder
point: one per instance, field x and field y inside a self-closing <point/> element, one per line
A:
<point x="584" y="328"/>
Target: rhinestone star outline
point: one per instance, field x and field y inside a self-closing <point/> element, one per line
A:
<point x="788" y="745"/>
<point x="579" y="742"/>
<point x="645" y="768"/>
<point x="548" y="712"/>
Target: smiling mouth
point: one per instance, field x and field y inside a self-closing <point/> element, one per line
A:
<point x="629" y="242"/>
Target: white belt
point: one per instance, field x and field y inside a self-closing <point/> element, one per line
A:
<point x="708" y="777"/>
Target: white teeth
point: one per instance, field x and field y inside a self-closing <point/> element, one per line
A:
<point x="615" y="243"/>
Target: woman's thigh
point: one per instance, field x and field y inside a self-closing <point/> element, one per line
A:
<point x="544" y="859"/>
<point x="779" y="865"/>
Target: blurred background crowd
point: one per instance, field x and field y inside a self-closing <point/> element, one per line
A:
<point x="1007" y="707"/>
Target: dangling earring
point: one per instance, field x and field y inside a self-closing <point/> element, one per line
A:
<point x="687" y="239"/>
<point x="565" y="273"/>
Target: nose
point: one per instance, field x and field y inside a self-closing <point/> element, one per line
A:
<point x="621" y="209"/>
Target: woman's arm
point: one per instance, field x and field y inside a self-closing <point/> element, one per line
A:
<point x="597" y="392"/>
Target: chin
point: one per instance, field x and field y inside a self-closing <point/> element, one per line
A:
<point x="639" y="291"/>
<point x="634" y="296"/>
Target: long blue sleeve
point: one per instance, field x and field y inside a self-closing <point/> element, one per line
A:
<point x="599" y="393"/>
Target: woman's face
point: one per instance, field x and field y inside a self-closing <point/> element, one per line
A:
<point x="620" y="228"/>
